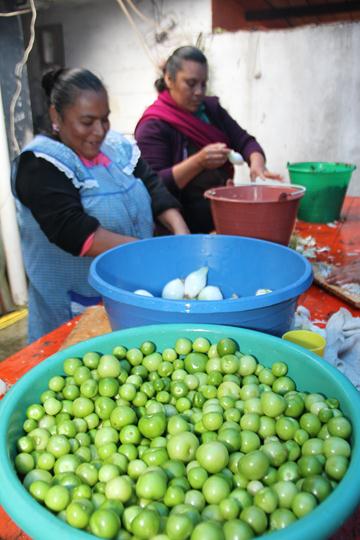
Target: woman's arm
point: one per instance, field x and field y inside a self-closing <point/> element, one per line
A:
<point x="258" y="168"/>
<point x="104" y="240"/>
<point x="211" y="156"/>
<point x="241" y="140"/>
<point x="173" y="220"/>
<point x="161" y="198"/>
<point x="162" y="147"/>
<point x="166" y="208"/>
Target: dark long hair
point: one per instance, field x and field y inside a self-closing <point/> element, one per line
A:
<point x="62" y="86"/>
<point x="174" y="63"/>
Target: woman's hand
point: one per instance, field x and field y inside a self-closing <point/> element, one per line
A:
<point x="213" y="155"/>
<point x="104" y="240"/>
<point x="210" y="157"/>
<point x="345" y="274"/>
<point x="259" y="170"/>
<point x="173" y="221"/>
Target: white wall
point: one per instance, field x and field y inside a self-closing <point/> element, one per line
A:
<point x="99" y="37"/>
<point x="296" y="90"/>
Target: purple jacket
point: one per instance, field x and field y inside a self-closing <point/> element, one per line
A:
<point x="162" y="146"/>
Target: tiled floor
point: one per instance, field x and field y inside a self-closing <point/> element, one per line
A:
<point x="13" y="338"/>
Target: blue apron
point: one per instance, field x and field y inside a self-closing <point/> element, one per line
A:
<point x="58" y="281"/>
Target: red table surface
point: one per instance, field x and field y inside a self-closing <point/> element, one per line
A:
<point x="343" y="240"/>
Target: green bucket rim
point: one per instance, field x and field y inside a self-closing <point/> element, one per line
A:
<point x="300" y="167"/>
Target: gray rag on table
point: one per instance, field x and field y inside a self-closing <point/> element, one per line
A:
<point x="343" y="344"/>
<point x="342" y="334"/>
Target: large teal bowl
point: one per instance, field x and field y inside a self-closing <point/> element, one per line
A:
<point x="310" y="372"/>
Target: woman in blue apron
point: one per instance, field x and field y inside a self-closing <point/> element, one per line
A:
<point x="80" y="191"/>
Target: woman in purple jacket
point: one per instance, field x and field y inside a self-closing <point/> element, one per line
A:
<point x="186" y="137"/>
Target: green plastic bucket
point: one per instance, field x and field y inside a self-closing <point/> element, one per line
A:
<point x="326" y="185"/>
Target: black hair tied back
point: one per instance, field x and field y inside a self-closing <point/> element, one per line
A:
<point x="49" y="79"/>
<point x="160" y="84"/>
<point x="174" y="63"/>
<point x="63" y="86"/>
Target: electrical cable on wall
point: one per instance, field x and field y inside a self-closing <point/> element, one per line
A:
<point x="136" y="30"/>
<point x="18" y="74"/>
<point x="140" y="13"/>
<point x="15" y="13"/>
<point x="161" y="32"/>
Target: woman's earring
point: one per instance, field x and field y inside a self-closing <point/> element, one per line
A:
<point x="55" y="128"/>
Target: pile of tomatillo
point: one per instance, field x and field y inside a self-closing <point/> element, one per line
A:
<point x="198" y="441"/>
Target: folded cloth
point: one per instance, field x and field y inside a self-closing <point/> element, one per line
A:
<point x="343" y="344"/>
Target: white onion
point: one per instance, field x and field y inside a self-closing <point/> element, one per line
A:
<point x="235" y="158"/>
<point x="259" y="292"/>
<point x="210" y="292"/>
<point x="195" y="282"/>
<point x="142" y="292"/>
<point x="173" y="290"/>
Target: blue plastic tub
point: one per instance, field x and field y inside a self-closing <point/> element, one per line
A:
<point x="309" y="371"/>
<point x="236" y="265"/>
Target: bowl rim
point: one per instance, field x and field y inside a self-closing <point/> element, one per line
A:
<point x="218" y="194"/>
<point x="348" y="490"/>
<point x="227" y="305"/>
<point x="300" y="167"/>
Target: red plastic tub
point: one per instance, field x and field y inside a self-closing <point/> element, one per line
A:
<point x="258" y="211"/>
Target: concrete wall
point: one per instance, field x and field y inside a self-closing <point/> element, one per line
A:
<point x="296" y="90"/>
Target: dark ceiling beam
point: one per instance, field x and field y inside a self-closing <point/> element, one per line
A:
<point x="300" y="11"/>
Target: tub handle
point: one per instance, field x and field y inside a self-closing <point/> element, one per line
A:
<point x="288" y="196"/>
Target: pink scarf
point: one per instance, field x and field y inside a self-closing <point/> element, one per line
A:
<point x="165" y="108"/>
<point x="100" y="159"/>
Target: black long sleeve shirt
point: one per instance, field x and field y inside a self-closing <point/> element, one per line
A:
<point x="55" y="202"/>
